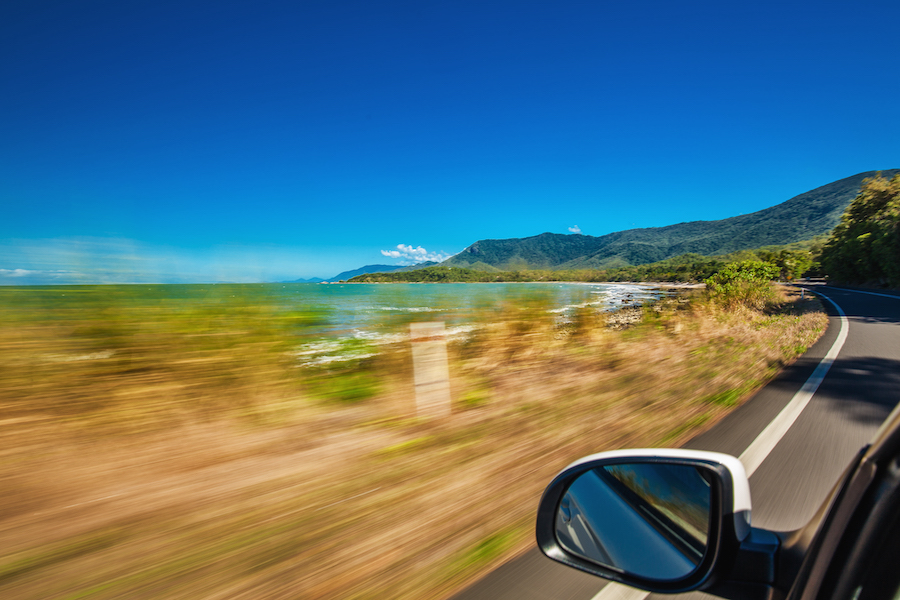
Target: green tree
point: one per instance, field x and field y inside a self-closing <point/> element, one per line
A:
<point x="865" y="246"/>
<point x="792" y="263"/>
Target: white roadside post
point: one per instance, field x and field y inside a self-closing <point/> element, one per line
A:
<point x="431" y="373"/>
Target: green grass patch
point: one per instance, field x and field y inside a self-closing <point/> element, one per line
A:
<point x="406" y="447"/>
<point x="726" y="398"/>
<point x="60" y="553"/>
<point x="475" y="398"/>
<point x="349" y="387"/>
<point x="486" y="551"/>
<point x="691" y="424"/>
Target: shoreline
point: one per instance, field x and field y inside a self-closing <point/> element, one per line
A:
<point x="654" y="284"/>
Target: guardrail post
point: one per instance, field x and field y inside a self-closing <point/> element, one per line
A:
<point x="430" y="369"/>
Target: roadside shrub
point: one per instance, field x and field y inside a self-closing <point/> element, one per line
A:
<point x="747" y="283"/>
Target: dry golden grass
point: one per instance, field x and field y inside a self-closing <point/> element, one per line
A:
<point x="194" y="460"/>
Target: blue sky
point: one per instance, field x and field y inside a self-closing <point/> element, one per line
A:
<point x="265" y="141"/>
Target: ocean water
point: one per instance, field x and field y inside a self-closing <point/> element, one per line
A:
<point x="373" y="308"/>
<point x="349" y="308"/>
<point x="380" y="313"/>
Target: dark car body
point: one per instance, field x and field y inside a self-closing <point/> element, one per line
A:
<point x="850" y="549"/>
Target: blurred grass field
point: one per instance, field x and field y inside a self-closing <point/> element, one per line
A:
<point x="174" y="442"/>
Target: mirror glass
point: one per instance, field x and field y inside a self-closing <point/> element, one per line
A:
<point x="648" y="519"/>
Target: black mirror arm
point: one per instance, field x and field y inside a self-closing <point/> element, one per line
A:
<point x="753" y="575"/>
<point x="756" y="558"/>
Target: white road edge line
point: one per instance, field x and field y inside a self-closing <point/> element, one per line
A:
<point x="757" y="451"/>
<point x="869" y="293"/>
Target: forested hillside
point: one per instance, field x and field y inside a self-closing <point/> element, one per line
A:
<point x="803" y="217"/>
<point x="791" y="260"/>
<point x="377" y="269"/>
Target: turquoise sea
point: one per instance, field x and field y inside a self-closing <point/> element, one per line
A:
<point x="378" y="313"/>
<point x="362" y="308"/>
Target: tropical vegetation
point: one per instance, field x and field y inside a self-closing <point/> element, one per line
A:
<point x="865" y="245"/>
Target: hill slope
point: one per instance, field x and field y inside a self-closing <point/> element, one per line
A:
<point x="378" y="269"/>
<point x="800" y="218"/>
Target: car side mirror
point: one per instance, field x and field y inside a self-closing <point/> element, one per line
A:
<point x="661" y="520"/>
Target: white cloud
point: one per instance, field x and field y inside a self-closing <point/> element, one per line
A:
<point x="88" y="260"/>
<point x="17" y="272"/>
<point x="410" y="255"/>
<point x="114" y="260"/>
<point x="37" y="277"/>
<point x="575" y="229"/>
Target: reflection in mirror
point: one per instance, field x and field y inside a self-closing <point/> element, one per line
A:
<point x="647" y="519"/>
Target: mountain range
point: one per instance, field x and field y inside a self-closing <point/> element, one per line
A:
<point x="365" y="271"/>
<point x="803" y="217"/>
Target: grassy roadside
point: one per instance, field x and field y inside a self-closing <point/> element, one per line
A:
<point x="158" y="449"/>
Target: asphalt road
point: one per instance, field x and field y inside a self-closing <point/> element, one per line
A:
<point x="857" y="394"/>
